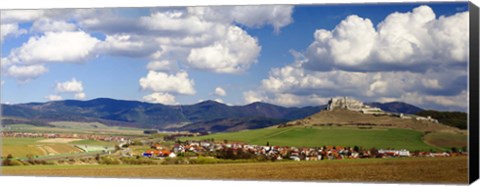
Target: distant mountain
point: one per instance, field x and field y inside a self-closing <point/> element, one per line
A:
<point x="232" y="124"/>
<point x="147" y="115"/>
<point x="396" y="107"/>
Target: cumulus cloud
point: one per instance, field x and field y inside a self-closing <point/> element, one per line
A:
<point x="49" y="25"/>
<point x="126" y="45"/>
<point x="158" y="97"/>
<point x="10" y="29"/>
<point x="232" y="55"/>
<point x="252" y="16"/>
<point x="219" y="91"/>
<point x="412" y="57"/>
<point x="24" y="73"/>
<point x="9" y="16"/>
<point x="53" y="97"/>
<point x="411" y="41"/>
<point x="219" y="100"/>
<point x="190" y="37"/>
<point x="253" y="96"/>
<point x="178" y="83"/>
<point x="73" y="86"/>
<point x="80" y="95"/>
<point x="69" y="86"/>
<point x="164" y="66"/>
<point x="60" y="47"/>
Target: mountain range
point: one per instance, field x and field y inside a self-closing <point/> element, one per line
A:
<point x="203" y="116"/>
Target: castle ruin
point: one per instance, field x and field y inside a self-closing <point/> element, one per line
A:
<point x="351" y="104"/>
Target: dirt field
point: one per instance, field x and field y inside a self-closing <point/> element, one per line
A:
<point x="418" y="170"/>
<point x="59" y="140"/>
<point x="346" y="117"/>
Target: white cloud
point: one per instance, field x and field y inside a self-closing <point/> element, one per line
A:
<point x="178" y="83"/>
<point x="411" y="41"/>
<point x="349" y="44"/>
<point x="188" y="37"/>
<point x="24" y="73"/>
<point x="219" y="91"/>
<point x="454" y="102"/>
<point x="69" y="86"/>
<point x="252" y="16"/>
<point x="49" y="25"/>
<point x="164" y="66"/>
<point x="253" y="96"/>
<point x="431" y="83"/>
<point x="73" y="86"/>
<point x="411" y="57"/>
<point x="233" y="54"/>
<point x="176" y="21"/>
<point x="10" y="30"/>
<point x="80" y="95"/>
<point x="53" y="97"/>
<point x="219" y="100"/>
<point x="126" y="45"/>
<point x="292" y="85"/>
<point x="163" y="98"/>
<point x="9" y="16"/>
<point x="60" y="47"/>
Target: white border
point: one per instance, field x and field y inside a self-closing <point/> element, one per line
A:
<point x="48" y="4"/>
<point x="45" y="4"/>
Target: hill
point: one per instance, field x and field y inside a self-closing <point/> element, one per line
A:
<point x="454" y="119"/>
<point x="342" y="127"/>
<point x="396" y="107"/>
<point x="146" y="115"/>
<point x="342" y="117"/>
<point x="325" y="136"/>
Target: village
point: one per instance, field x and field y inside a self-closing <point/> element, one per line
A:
<point x="170" y="147"/>
<point x="225" y="150"/>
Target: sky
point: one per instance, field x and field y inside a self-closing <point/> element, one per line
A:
<point x="280" y="54"/>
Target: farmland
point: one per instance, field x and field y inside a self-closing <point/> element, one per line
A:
<point x="426" y="170"/>
<point x="75" y="127"/>
<point x="319" y="136"/>
<point x="21" y="147"/>
<point x="446" y="139"/>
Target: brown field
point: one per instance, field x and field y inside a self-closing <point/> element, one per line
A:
<point x="446" y="139"/>
<point x="346" y="117"/>
<point x="418" y="170"/>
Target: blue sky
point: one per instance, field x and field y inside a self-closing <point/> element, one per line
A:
<point x="285" y="55"/>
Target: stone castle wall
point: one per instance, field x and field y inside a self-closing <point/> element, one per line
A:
<point x="345" y="103"/>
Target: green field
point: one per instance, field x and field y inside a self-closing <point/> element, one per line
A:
<point x="76" y="127"/>
<point x="427" y="170"/>
<point x="320" y="136"/>
<point x="21" y="147"/>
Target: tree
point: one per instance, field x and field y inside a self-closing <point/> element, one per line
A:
<point x="356" y="148"/>
<point x="373" y="152"/>
<point x="454" y="150"/>
<point x="268" y="144"/>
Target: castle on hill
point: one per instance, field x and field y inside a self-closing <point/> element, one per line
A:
<point x="353" y="105"/>
<point x="358" y="106"/>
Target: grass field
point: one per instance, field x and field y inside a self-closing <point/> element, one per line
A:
<point x="21" y="147"/>
<point x="76" y="127"/>
<point x="319" y="136"/>
<point x="446" y="139"/>
<point x="426" y="170"/>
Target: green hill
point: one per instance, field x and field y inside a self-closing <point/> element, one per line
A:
<point x="320" y="136"/>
